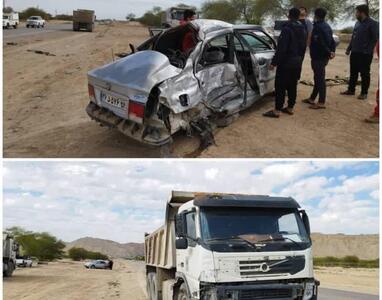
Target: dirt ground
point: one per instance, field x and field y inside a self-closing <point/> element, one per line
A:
<point x="354" y="280"/>
<point x="70" y="280"/>
<point x="45" y="99"/>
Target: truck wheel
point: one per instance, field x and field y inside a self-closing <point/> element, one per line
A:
<point x="153" y="292"/>
<point x="15" y="26"/>
<point x="182" y="293"/>
<point x="10" y="269"/>
<point x="7" y="26"/>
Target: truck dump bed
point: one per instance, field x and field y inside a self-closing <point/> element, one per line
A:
<point x="160" y="245"/>
<point x="83" y="16"/>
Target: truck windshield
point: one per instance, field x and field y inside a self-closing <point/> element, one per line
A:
<point x="6" y="17"/>
<point x="270" y="229"/>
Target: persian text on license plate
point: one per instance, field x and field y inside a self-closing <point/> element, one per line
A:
<point x="114" y="101"/>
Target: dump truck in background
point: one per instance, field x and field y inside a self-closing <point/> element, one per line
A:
<point x="83" y="19"/>
<point x="229" y="246"/>
<point x="10" y="252"/>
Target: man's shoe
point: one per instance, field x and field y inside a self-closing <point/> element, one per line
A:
<point x="372" y="119"/>
<point x="362" y="97"/>
<point x="348" y="93"/>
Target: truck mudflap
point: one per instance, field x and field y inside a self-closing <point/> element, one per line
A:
<point x="272" y="291"/>
<point x="146" y="134"/>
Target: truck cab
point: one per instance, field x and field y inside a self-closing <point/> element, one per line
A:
<point x="10" y="252"/>
<point x="229" y="246"/>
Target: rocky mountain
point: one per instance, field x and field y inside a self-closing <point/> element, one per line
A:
<point x="110" y="248"/>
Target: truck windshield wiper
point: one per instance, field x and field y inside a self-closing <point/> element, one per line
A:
<point x="280" y="239"/>
<point x="235" y="237"/>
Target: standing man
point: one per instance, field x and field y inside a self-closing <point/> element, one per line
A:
<point x="322" y="48"/>
<point x="306" y="22"/>
<point x="288" y="61"/>
<point x="360" y="49"/>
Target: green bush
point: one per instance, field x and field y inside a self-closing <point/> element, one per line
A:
<point x="345" y="262"/>
<point x="347" y="30"/>
<point x="78" y="254"/>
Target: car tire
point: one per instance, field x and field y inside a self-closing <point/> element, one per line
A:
<point x="153" y="291"/>
<point x="182" y="293"/>
<point x="92" y="267"/>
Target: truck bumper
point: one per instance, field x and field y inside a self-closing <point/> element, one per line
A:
<point x="145" y="134"/>
<point x="259" y="291"/>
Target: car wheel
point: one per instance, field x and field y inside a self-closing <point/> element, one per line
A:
<point x="92" y="267"/>
<point x="182" y="293"/>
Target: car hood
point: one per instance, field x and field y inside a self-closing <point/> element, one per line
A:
<point x="139" y="71"/>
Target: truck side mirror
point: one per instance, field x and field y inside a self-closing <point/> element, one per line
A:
<point x="181" y="226"/>
<point x="305" y="220"/>
<point x="181" y="244"/>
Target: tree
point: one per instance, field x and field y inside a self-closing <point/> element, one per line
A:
<point x="152" y="17"/>
<point x="79" y="254"/>
<point x="130" y="17"/>
<point x="349" y="7"/>
<point x="8" y="10"/>
<point x="33" y="11"/>
<point x="38" y="244"/>
<point x="220" y="10"/>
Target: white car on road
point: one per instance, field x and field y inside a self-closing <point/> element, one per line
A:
<point x="97" y="264"/>
<point x="24" y="262"/>
<point x="35" y="21"/>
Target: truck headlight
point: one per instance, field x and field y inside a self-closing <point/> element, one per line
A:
<point x="309" y="291"/>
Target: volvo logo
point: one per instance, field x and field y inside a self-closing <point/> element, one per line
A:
<point x="108" y="86"/>
<point x="264" y="268"/>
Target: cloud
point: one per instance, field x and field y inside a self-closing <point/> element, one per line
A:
<point x="120" y="200"/>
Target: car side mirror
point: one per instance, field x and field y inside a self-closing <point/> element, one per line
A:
<point x="305" y="220"/>
<point x="181" y="244"/>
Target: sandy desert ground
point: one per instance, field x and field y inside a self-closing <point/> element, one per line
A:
<point x="70" y="280"/>
<point x="45" y="99"/>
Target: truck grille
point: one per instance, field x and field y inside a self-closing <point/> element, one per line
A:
<point x="265" y="294"/>
<point x="289" y="265"/>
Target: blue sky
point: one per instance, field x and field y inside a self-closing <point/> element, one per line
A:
<point x="121" y="200"/>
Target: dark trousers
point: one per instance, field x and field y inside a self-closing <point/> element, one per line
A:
<point x="286" y="81"/>
<point x="319" y="68"/>
<point x="360" y="64"/>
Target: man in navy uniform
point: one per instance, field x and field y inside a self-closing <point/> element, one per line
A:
<point x="288" y="61"/>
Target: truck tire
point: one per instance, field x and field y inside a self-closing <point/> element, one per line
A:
<point x="90" y="27"/>
<point x="182" y="293"/>
<point x="15" y="26"/>
<point x="76" y="27"/>
<point x="153" y="292"/>
<point x="10" y="269"/>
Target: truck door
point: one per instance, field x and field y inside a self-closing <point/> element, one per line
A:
<point x="216" y="72"/>
<point x="261" y="53"/>
<point x="188" y="260"/>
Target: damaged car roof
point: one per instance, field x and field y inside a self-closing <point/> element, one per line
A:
<point x="206" y="26"/>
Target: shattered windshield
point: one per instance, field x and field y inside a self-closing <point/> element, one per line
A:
<point x="263" y="228"/>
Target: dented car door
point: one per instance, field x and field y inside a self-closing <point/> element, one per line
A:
<point x="261" y="54"/>
<point x="217" y="72"/>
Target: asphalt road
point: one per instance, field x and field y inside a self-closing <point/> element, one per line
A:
<point x="330" y="294"/>
<point x="22" y="31"/>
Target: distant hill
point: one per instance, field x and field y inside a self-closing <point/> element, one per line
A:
<point x="340" y="245"/>
<point x="337" y="245"/>
<point x="110" y="248"/>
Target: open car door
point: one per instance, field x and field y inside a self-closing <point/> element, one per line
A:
<point x="262" y="53"/>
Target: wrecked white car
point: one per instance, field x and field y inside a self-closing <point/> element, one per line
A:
<point x="162" y="89"/>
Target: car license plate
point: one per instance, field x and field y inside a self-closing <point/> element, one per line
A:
<point x="114" y="101"/>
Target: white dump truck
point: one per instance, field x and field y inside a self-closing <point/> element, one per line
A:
<point x="83" y="19"/>
<point x="229" y="246"/>
<point x="10" y="250"/>
<point x="173" y="15"/>
<point x="10" y="20"/>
